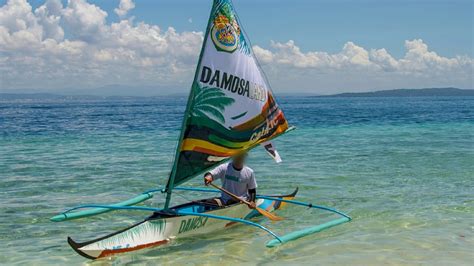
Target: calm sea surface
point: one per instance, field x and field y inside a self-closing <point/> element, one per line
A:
<point x="403" y="168"/>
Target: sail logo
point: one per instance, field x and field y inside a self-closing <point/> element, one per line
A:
<point x="225" y="32"/>
<point x="264" y="132"/>
<point x="232" y="83"/>
<point x="192" y="224"/>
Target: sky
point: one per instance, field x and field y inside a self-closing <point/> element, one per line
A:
<point x="151" y="47"/>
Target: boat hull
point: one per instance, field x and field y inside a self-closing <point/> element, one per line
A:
<point x="158" y="230"/>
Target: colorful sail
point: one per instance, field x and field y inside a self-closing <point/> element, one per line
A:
<point x="231" y="108"/>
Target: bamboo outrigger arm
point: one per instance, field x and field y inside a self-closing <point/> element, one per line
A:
<point x="238" y="220"/>
<point x="69" y="215"/>
<point x="308" y="231"/>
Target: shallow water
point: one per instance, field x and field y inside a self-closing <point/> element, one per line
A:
<point x="403" y="168"/>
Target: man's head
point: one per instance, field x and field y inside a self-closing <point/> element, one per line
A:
<point x="239" y="160"/>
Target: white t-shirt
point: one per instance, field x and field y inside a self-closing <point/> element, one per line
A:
<point x="235" y="181"/>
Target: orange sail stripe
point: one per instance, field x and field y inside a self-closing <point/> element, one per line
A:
<point x="258" y="119"/>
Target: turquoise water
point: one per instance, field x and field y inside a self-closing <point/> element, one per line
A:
<point x="403" y="168"/>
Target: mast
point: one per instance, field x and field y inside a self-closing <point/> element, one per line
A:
<point x="169" y="188"/>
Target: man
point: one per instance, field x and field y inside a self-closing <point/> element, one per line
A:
<point x="236" y="178"/>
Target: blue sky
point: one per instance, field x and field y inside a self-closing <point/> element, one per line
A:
<point x="444" y="27"/>
<point x="325" y="25"/>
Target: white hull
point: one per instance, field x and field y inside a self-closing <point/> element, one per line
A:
<point x="157" y="231"/>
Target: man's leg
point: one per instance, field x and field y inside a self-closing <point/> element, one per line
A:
<point x="230" y="202"/>
<point x="210" y="204"/>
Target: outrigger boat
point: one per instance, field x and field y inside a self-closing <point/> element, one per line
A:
<point x="230" y="110"/>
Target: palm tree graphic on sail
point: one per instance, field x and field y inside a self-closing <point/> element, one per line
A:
<point x="210" y="101"/>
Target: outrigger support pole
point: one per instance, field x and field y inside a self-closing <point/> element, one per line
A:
<point x="309" y="205"/>
<point x="238" y="220"/>
<point x="69" y="215"/>
<point x="308" y="231"/>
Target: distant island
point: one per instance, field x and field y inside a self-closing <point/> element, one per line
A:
<point x="427" y="92"/>
<point x="56" y="97"/>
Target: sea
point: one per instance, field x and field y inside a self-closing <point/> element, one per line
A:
<point x="402" y="168"/>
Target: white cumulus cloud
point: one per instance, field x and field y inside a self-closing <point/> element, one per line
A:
<point x="356" y="68"/>
<point x="33" y="44"/>
<point x="85" y="21"/>
<point x="124" y="7"/>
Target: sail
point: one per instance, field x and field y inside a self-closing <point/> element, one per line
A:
<point x="231" y="108"/>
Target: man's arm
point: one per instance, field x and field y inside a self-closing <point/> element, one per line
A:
<point x="216" y="173"/>
<point x="252" y="197"/>
<point x="252" y="185"/>
<point x="252" y="194"/>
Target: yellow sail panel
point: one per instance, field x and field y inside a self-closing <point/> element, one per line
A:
<point x="198" y="145"/>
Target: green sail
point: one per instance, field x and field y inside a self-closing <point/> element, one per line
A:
<point x="230" y="108"/>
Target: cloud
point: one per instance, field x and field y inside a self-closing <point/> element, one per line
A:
<point x="85" y="21"/>
<point x="49" y="16"/>
<point x="417" y="58"/>
<point x="73" y="46"/>
<point x="124" y="7"/>
<point x="355" y="68"/>
<point x="33" y="44"/>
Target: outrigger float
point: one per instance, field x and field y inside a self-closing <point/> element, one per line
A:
<point x="230" y="110"/>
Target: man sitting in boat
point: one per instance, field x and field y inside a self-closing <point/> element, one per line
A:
<point x="237" y="178"/>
